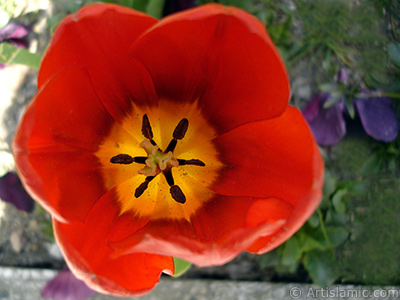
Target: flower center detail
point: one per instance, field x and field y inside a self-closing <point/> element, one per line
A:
<point x="158" y="161"/>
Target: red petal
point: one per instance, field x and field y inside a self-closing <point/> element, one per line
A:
<point x="275" y="158"/>
<point x="55" y="144"/>
<point x="301" y="212"/>
<point x="90" y="258"/>
<point x="222" y="229"/>
<point x="99" y="37"/>
<point x="220" y="55"/>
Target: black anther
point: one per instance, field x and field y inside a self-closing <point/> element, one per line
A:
<point x="180" y="130"/>
<point x="124" y="159"/>
<point x="177" y="194"/>
<point x="143" y="186"/>
<point x="146" y="128"/>
<point x="193" y="162"/>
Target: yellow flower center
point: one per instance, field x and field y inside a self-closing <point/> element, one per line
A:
<point x="172" y="180"/>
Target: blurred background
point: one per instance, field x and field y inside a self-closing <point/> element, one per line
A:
<point x="343" y="59"/>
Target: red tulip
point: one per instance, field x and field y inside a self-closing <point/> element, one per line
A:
<point x="151" y="139"/>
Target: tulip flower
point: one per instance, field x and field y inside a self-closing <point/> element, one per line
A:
<point x="152" y="139"/>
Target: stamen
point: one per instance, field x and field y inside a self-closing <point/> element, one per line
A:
<point x="181" y="128"/>
<point x="140" y="159"/>
<point x="177" y="194"/>
<point x="179" y="133"/>
<point x="193" y="162"/>
<point x="146" y="128"/>
<point x="168" y="177"/>
<point x="143" y="186"/>
<point x="124" y="159"/>
<point x="171" y="146"/>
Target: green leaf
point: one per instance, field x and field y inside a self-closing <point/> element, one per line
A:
<point x="291" y="252"/>
<point x="328" y="87"/>
<point x="269" y="259"/>
<point x="330" y="181"/>
<point x="337" y="201"/>
<point x="350" y="108"/>
<point x="322" y="267"/>
<point x="313" y="221"/>
<point x="336" y="235"/>
<point x="311" y="244"/>
<point x="315" y="238"/>
<point x="371" y="165"/>
<point x="181" y="266"/>
<point x="394" y="53"/>
<point x="10" y="54"/>
<point x="376" y="79"/>
<point x="155" y="8"/>
<point x="335" y="218"/>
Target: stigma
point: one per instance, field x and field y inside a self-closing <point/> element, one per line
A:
<point x="158" y="161"/>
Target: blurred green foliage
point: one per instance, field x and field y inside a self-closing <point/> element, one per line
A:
<point x="181" y="266"/>
<point x="10" y="54"/>
<point x="153" y="8"/>
<point x="353" y="236"/>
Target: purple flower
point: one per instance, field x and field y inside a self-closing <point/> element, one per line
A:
<point x="15" y="34"/>
<point x="377" y="117"/>
<point x="328" y="124"/>
<point x="65" y="286"/>
<point x="11" y="191"/>
<point x="342" y="76"/>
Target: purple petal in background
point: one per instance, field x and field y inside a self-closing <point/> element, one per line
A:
<point x="13" y="31"/>
<point x="11" y="191"/>
<point x="327" y="124"/>
<point x="378" y="118"/>
<point x="311" y="110"/>
<point x="342" y="76"/>
<point x="65" y="286"/>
